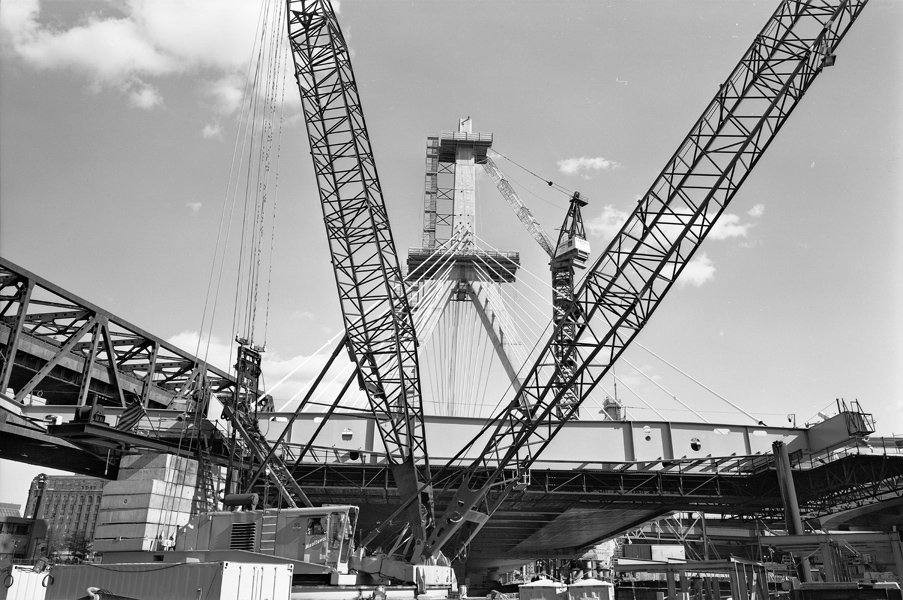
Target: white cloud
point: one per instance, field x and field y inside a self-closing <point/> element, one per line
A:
<point x="697" y="271"/>
<point x="144" y="96"/>
<point x="195" y="206"/>
<point x="729" y="226"/>
<point x="212" y="131"/>
<point x="216" y="353"/>
<point x="144" y="39"/>
<point x="756" y="211"/>
<point x="573" y="166"/>
<point x="225" y="93"/>
<point x="608" y="224"/>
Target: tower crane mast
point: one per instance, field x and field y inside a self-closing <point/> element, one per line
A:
<point x="569" y="253"/>
<point x="381" y="339"/>
<point x="626" y="284"/>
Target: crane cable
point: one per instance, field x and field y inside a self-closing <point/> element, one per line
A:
<point x="267" y="89"/>
<point x="220" y="249"/>
<point x="549" y="182"/>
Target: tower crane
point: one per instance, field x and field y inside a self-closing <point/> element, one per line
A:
<point x="381" y="339"/>
<point x="569" y="253"/>
<point x="628" y="281"/>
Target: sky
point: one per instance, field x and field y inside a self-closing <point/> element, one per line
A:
<point x="118" y="122"/>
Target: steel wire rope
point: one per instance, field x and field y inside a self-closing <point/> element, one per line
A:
<point x="523" y="365"/>
<point x="255" y="179"/>
<point x="323" y="347"/>
<point x="304" y="362"/>
<point x="477" y="341"/>
<point x="266" y="321"/>
<point x="479" y="383"/>
<point x="257" y="207"/>
<point x="438" y="288"/>
<point x="433" y="289"/>
<point x="448" y="322"/>
<point x="461" y="357"/>
<point x="548" y="182"/>
<point x="705" y="387"/>
<point x="301" y="364"/>
<point x="453" y="357"/>
<point x="216" y="251"/>
<point x="640" y="398"/>
<point x="435" y="359"/>
<point x="233" y="173"/>
<point x="435" y="375"/>
<point x="484" y="364"/>
<point x="529" y="287"/>
<point x="656" y="384"/>
<point x="508" y="325"/>
<point x="275" y="59"/>
<point x="265" y="145"/>
<point x="532" y="289"/>
<point x="452" y="354"/>
<point x="238" y="313"/>
<point x="503" y="292"/>
<point x="466" y="350"/>
<point x="602" y="408"/>
<point x="506" y="322"/>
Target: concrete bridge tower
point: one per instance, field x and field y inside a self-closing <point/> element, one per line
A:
<point x="456" y="285"/>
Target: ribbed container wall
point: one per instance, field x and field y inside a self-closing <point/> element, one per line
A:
<point x="179" y="581"/>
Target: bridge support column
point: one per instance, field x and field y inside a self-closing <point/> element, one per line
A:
<point x="791" y="505"/>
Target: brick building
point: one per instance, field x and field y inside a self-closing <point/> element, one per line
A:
<point x="69" y="503"/>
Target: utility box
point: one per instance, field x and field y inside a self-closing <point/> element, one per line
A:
<point x="167" y="581"/>
<point x="542" y="589"/>
<point x="591" y="589"/>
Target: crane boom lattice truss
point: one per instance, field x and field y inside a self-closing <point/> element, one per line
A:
<point x="626" y="284"/>
<point x="517" y="205"/>
<point x="377" y="317"/>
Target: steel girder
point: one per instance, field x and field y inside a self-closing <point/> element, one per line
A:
<point x="378" y="322"/>
<point x="68" y="351"/>
<point x="625" y="285"/>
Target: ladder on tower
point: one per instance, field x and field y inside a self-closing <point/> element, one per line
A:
<point x="268" y="531"/>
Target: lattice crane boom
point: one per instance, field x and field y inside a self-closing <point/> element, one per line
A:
<point x="517" y="205"/>
<point x="377" y="317"/>
<point x="626" y="284"/>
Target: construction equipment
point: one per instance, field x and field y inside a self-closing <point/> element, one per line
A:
<point x="381" y="339"/>
<point x="628" y="281"/>
<point x="569" y="253"/>
<point x="616" y="299"/>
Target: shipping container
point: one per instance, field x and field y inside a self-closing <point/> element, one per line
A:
<point x="176" y="581"/>
<point x="23" y="583"/>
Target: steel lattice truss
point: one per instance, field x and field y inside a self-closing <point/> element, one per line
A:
<point x="67" y="351"/>
<point x="626" y="284"/>
<point x="381" y="336"/>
